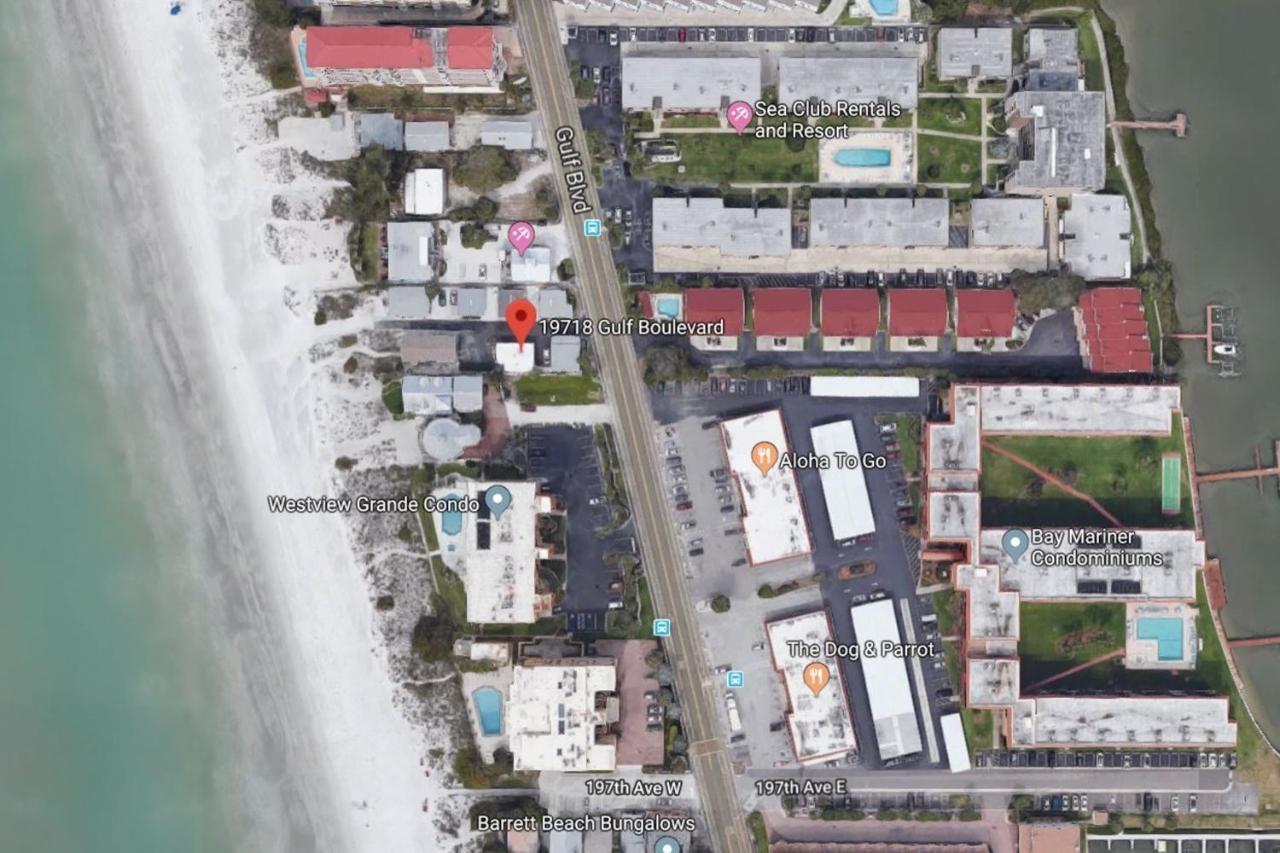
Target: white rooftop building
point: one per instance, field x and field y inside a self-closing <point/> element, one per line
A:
<point x="888" y="688"/>
<point x="864" y="386"/>
<point x="820" y="725"/>
<point x="956" y="743"/>
<point x="843" y="488"/>
<point x="975" y="52"/>
<point x="427" y="395"/>
<point x="514" y="359"/>
<point x="564" y="352"/>
<point x="706" y="223"/>
<point x="408" y="303"/>
<point x="998" y="222"/>
<point x="424" y="192"/>
<point x="1160" y="564"/>
<point x="555" y="710"/>
<point x="511" y="135"/>
<point x="1079" y="409"/>
<point x="1096" y="235"/>
<point x="533" y="267"/>
<point x="861" y="79"/>
<point x="428" y="136"/>
<point x="497" y="558"/>
<point x="1171" y="721"/>
<point x="681" y="83"/>
<point x="409" y="252"/>
<point x="897" y="222"/>
<point x="772" y="515"/>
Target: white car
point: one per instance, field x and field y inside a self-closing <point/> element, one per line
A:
<point x="791" y="36"/>
<point x="751" y="33"/>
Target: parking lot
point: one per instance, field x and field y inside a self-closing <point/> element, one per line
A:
<point x="688" y="429"/>
<point x="796" y="35"/>
<point x="565" y="459"/>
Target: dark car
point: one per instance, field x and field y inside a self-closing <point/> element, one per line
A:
<point x="684" y="505"/>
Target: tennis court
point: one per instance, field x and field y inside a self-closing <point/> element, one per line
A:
<point x="1171" y="484"/>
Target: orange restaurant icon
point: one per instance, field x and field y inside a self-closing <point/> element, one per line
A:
<point x="765" y="456"/>
<point x="816" y="675"/>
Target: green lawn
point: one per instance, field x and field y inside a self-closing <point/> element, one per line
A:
<point x="902" y="121"/>
<point x="1056" y="637"/>
<point x="948" y="161"/>
<point x="953" y="115"/>
<point x="546" y="389"/>
<point x="691" y="121"/>
<point x="1122" y="472"/>
<point x="1090" y="53"/>
<point x="726" y="157"/>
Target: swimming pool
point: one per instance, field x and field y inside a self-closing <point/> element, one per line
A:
<point x="863" y="157"/>
<point x="1166" y="631"/>
<point x="668" y="306"/>
<point x="885" y="7"/>
<point x="451" y="520"/>
<point x="489" y="709"/>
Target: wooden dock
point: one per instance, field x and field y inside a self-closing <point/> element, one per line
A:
<point x="1178" y="124"/>
<point x="1256" y="473"/>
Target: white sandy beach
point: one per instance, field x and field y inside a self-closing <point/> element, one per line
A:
<point x="224" y="304"/>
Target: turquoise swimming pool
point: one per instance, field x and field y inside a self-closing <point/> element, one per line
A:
<point x="489" y="709"/>
<point x="451" y="521"/>
<point x="863" y="157"/>
<point x="885" y="7"/>
<point x="668" y="307"/>
<point x="1166" y="631"/>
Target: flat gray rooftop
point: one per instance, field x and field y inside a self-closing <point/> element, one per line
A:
<point x="1007" y="222"/>
<point x="955" y="446"/>
<point x="897" y="222"/>
<point x="707" y="223"/>
<point x="978" y="52"/>
<point x="993" y="681"/>
<point x="688" y="82"/>
<point x="1053" y="49"/>
<point x="993" y="612"/>
<point x="1060" y="141"/>
<point x="1084" y="572"/>
<point x="1096" y="236"/>
<point x="426" y="136"/>
<point x="953" y="515"/>
<point x="1123" y="721"/>
<point x="893" y="79"/>
<point x="409" y="247"/>
<point x="1079" y="409"/>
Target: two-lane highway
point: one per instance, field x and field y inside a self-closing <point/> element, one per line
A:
<point x="620" y="374"/>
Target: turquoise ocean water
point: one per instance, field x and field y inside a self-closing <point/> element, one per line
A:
<point x="106" y="739"/>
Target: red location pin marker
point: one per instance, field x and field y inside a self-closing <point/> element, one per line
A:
<point x="521" y="315"/>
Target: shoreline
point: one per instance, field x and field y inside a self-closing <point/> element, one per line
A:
<point x="219" y="297"/>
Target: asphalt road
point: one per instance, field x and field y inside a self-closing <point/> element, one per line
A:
<point x="634" y="425"/>
<point x="1010" y="781"/>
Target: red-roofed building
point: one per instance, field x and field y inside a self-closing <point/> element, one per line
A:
<point x="469" y="48"/>
<point x="726" y="305"/>
<point x="782" y="317"/>
<point x="850" y="319"/>
<point x="917" y="318"/>
<point x="982" y="316"/>
<point x="367" y="47"/>
<point x="1111" y="326"/>
<point x="457" y="57"/>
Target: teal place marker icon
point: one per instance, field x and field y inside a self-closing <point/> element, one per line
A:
<point x="1014" y="542"/>
<point x="497" y="499"/>
<point x="666" y="844"/>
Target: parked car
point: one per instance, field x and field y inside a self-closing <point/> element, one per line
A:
<point x="684" y="506"/>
